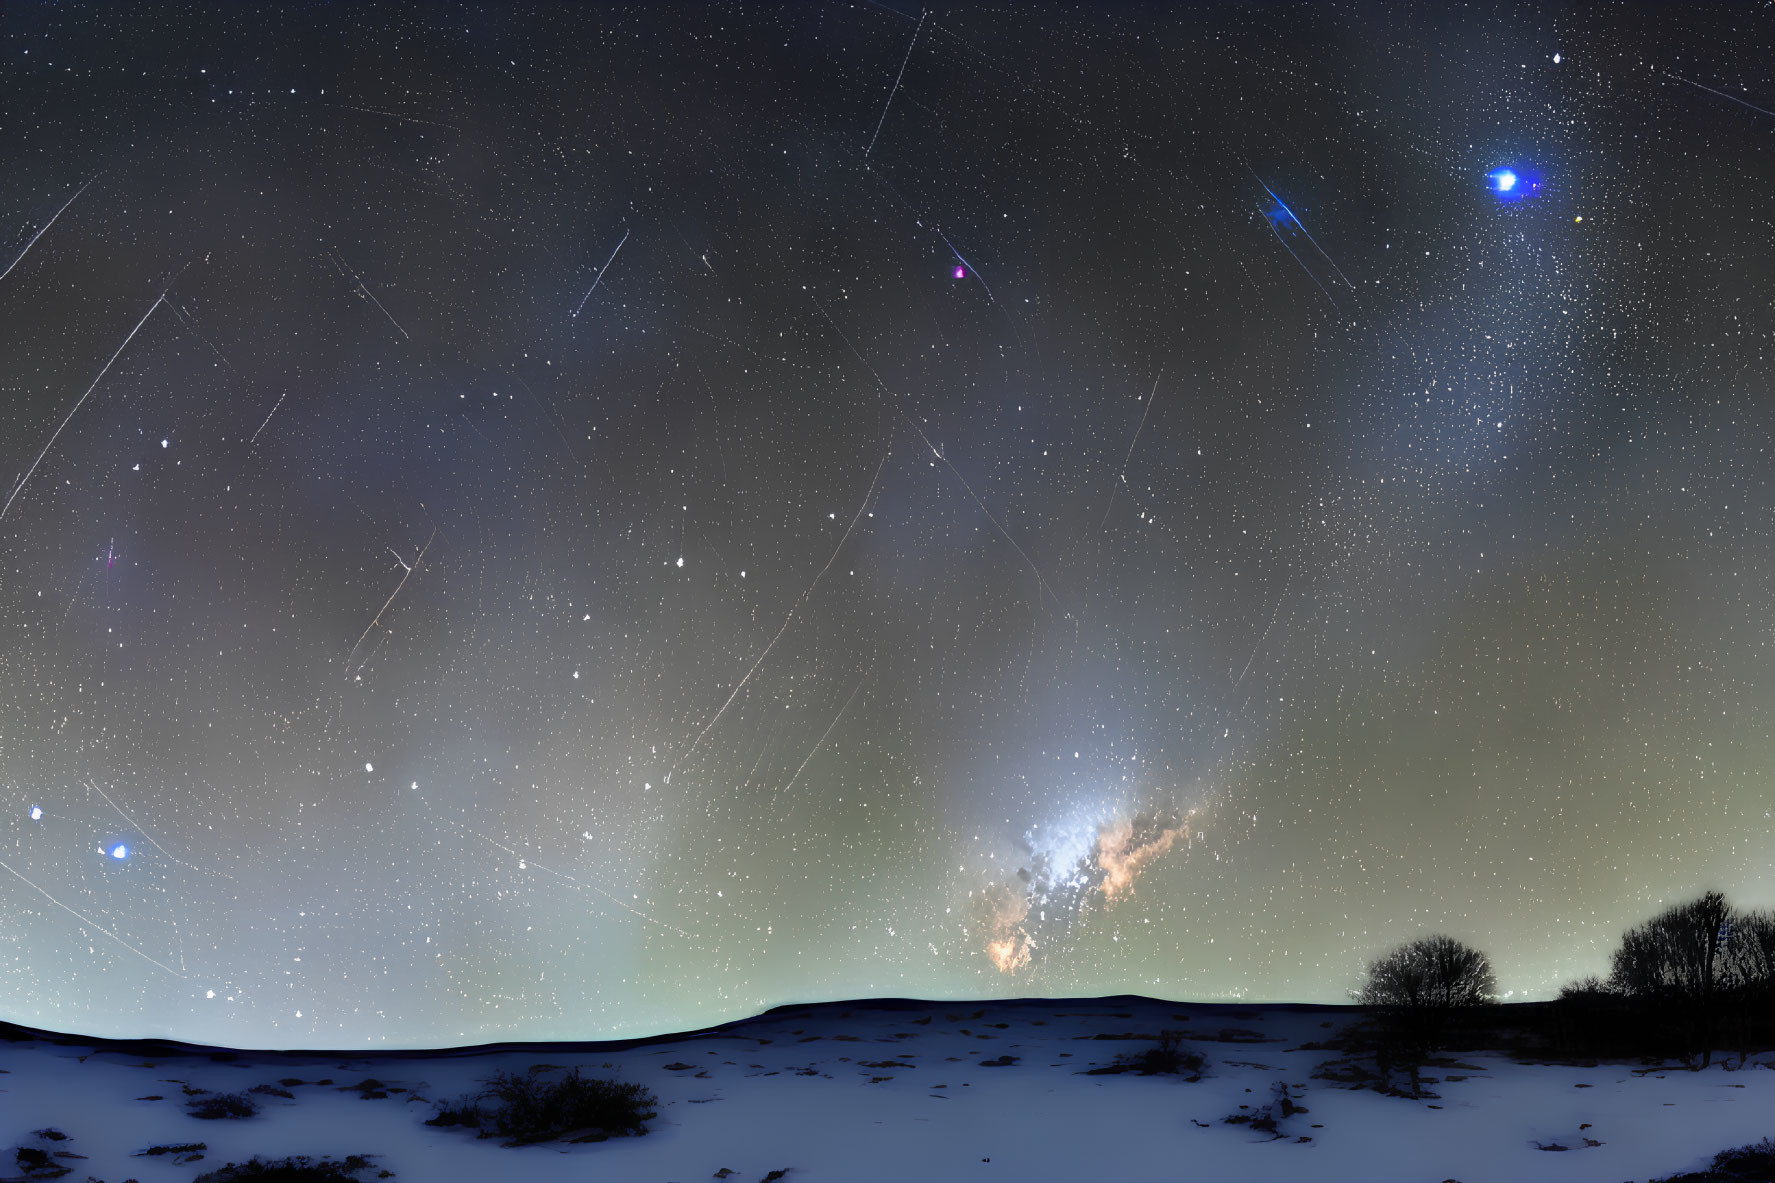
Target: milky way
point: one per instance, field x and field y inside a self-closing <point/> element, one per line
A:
<point x="591" y="521"/>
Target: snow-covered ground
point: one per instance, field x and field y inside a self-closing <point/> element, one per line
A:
<point x="905" y="1092"/>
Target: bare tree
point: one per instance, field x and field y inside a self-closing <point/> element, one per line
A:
<point x="1750" y="952"/>
<point x="1431" y="974"/>
<point x="1677" y="964"/>
<point x="1415" y="990"/>
<point x="1750" y="960"/>
<point x="1678" y="952"/>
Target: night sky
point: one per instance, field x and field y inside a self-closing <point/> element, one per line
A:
<point x="582" y="522"/>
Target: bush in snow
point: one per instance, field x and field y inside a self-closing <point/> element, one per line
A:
<point x="527" y="1108"/>
<point x="219" y="1106"/>
<point x="1269" y="1118"/>
<point x="1747" y="1164"/>
<point x="1591" y="1019"/>
<point x="464" y="1111"/>
<point x="1169" y="1058"/>
<point x="295" y="1169"/>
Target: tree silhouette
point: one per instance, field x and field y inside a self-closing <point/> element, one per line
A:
<point x="1431" y="975"/>
<point x="1750" y="961"/>
<point x="1415" y="990"/>
<point x="1750" y="952"/>
<point x="1676" y="965"/>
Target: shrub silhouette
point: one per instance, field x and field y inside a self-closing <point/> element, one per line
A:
<point x="525" y="1107"/>
<point x="221" y="1106"/>
<point x="464" y="1111"/>
<point x="1589" y="1018"/>
<point x="295" y="1169"/>
<point x="1746" y="1164"/>
<point x="1170" y="1058"/>
<point x="1267" y="1119"/>
<point x="1586" y="988"/>
<point x="29" y="1158"/>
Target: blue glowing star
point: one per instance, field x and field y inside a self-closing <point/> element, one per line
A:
<point x="1512" y="184"/>
<point x="120" y="851"/>
<point x="36" y="813"/>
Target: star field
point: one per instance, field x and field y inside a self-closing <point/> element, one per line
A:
<point x="588" y="521"/>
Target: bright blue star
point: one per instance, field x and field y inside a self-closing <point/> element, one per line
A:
<point x="120" y="851"/>
<point x="1512" y="184"/>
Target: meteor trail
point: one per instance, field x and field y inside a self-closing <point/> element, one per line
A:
<point x="793" y="609"/>
<point x="525" y="862"/>
<point x="84" y="919"/>
<point x="602" y="270"/>
<point x="1266" y="631"/>
<point x="1292" y="217"/>
<point x="827" y="734"/>
<point x="363" y="287"/>
<point x="1710" y="90"/>
<point x="417" y="559"/>
<point x="143" y="831"/>
<point x="972" y="270"/>
<point x="1298" y="259"/>
<point x="46" y="226"/>
<point x="273" y="411"/>
<point x="896" y="89"/>
<point x="82" y="399"/>
<point x="1041" y="580"/>
<point x="1123" y="475"/>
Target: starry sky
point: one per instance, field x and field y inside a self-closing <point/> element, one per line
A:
<point x="578" y="522"/>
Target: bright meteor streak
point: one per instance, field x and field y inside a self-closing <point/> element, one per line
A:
<point x="45" y="230"/>
<point x="601" y="271"/>
<point x="1293" y="217"/>
<point x="78" y="403"/>
<point x="1722" y="94"/>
